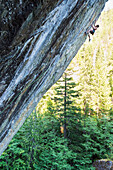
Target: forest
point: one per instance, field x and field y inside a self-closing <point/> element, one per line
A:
<point x="72" y="126"/>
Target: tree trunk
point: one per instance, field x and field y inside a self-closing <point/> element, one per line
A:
<point x="38" y="40"/>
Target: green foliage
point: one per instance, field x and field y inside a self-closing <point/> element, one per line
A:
<point x="64" y="98"/>
<point x="38" y="145"/>
<point x="91" y="139"/>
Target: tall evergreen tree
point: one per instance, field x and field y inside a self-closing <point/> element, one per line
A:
<point x="64" y="99"/>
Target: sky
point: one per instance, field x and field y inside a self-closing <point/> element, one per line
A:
<point x="109" y="5"/>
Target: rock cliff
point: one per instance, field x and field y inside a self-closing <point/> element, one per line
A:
<point x="38" y="39"/>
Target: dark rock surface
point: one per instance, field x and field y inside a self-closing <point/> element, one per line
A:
<point x="103" y="164"/>
<point x="38" y="40"/>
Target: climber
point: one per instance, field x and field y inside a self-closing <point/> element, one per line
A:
<point x="92" y="31"/>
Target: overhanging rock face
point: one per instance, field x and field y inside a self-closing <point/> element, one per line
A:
<point x="35" y="51"/>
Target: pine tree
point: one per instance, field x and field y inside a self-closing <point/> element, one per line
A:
<point x="64" y="99"/>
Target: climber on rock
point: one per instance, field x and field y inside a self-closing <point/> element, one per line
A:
<point x="92" y="30"/>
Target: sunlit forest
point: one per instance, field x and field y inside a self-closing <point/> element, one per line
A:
<point x="72" y="126"/>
